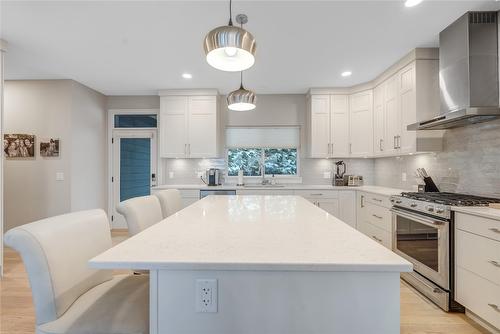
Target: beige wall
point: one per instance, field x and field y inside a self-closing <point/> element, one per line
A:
<point x="133" y="102"/>
<point x="76" y="115"/>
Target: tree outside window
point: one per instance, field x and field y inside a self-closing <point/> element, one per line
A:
<point x="277" y="161"/>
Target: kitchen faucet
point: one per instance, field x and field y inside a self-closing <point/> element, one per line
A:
<point x="262" y="167"/>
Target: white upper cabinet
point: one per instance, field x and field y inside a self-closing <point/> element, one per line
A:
<point x="319" y="126"/>
<point x="379" y="137"/>
<point x="188" y="126"/>
<point x="361" y="124"/>
<point x="339" y="127"/>
<point x="173" y="126"/>
<point x="392" y="115"/>
<point x="328" y="126"/>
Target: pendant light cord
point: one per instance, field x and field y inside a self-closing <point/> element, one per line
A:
<point x="230" y="13"/>
<point x="241" y="80"/>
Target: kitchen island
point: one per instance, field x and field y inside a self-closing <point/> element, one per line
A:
<point x="279" y="264"/>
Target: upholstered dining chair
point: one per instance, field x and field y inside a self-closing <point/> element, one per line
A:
<point x="140" y="213"/>
<point x="69" y="296"/>
<point x="170" y="200"/>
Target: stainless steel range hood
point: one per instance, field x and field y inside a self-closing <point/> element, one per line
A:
<point x="468" y="72"/>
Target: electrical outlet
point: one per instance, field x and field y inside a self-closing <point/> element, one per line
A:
<point x="206" y="295"/>
<point x="59" y="176"/>
<point x="403" y="177"/>
<point x="200" y="174"/>
<point x="327" y="175"/>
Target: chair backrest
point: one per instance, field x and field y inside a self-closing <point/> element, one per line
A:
<point x="170" y="200"/>
<point x="55" y="252"/>
<point x="140" y="213"/>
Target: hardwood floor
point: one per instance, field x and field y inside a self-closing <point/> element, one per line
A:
<point x="418" y="315"/>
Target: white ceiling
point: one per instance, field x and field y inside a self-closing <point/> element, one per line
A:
<point x="139" y="47"/>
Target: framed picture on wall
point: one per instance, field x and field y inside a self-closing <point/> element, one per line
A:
<point x="19" y="146"/>
<point x="49" y="147"/>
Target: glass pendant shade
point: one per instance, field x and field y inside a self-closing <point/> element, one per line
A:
<point x="230" y="48"/>
<point x="241" y="100"/>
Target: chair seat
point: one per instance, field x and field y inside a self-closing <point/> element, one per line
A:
<point x="118" y="306"/>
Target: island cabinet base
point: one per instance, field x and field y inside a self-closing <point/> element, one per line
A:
<point x="277" y="302"/>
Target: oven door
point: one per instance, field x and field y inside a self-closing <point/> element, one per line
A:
<point x="424" y="241"/>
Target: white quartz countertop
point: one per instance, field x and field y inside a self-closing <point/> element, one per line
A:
<point x="480" y="211"/>
<point x="251" y="233"/>
<point x="299" y="186"/>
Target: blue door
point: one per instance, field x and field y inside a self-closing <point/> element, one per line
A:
<point x="135" y="167"/>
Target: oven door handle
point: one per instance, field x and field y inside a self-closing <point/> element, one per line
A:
<point x="429" y="222"/>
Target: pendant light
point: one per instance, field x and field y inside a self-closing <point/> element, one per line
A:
<point x="241" y="99"/>
<point x="229" y="48"/>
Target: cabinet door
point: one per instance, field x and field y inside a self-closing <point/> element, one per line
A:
<point x="347" y="207"/>
<point x="330" y="205"/>
<point x="392" y="115"/>
<point x="408" y="104"/>
<point x="361" y="124"/>
<point x="202" y="121"/>
<point x="379" y="140"/>
<point x="339" y="117"/>
<point x="320" y="126"/>
<point x="173" y="126"/>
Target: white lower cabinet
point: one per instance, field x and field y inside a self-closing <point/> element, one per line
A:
<point x="338" y="203"/>
<point x="477" y="270"/>
<point x="263" y="192"/>
<point x="374" y="217"/>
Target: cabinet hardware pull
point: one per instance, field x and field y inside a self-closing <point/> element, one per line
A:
<point x="350" y="148"/>
<point x="362" y="204"/>
<point x="494" y="306"/>
<point x="377" y="216"/>
<point x="399" y="141"/>
<point x="376" y="199"/>
<point x="316" y="194"/>
<point x="376" y="239"/>
<point x="495" y="263"/>
<point x="380" y="144"/>
<point x="496" y="230"/>
<point x="185" y="149"/>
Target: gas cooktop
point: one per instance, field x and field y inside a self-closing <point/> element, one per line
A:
<point x="451" y="199"/>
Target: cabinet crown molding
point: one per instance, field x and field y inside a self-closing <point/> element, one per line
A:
<point x="413" y="55"/>
<point x="187" y="92"/>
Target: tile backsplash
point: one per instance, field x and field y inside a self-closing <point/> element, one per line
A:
<point x="185" y="171"/>
<point x="469" y="162"/>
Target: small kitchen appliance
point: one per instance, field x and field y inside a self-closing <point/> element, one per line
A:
<point x="338" y="179"/>
<point x="423" y="225"/>
<point x="353" y="180"/>
<point x="213" y="177"/>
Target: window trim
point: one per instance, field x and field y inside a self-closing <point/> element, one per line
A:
<point x="278" y="176"/>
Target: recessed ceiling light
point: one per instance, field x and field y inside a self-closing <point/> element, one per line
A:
<point x="187" y="75"/>
<point x="346" y="74"/>
<point x="412" y="3"/>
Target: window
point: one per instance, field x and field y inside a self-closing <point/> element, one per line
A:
<point x="249" y="147"/>
<point x="135" y="121"/>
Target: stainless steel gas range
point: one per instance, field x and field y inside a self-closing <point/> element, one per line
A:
<point x="423" y="225"/>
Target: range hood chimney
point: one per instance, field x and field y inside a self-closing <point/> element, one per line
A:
<point x="468" y="72"/>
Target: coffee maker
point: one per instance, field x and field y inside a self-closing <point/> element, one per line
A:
<point x="338" y="179"/>
<point x="213" y="177"/>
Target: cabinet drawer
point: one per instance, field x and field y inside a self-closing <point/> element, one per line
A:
<point x="317" y="193"/>
<point x="381" y="236"/>
<point x="478" y="295"/>
<point x="378" y="200"/>
<point x="479" y="255"/>
<point x="478" y="225"/>
<point x="378" y="216"/>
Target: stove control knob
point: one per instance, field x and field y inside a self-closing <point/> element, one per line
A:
<point x="439" y="210"/>
<point x="430" y="208"/>
<point x="399" y="202"/>
<point x="413" y="205"/>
